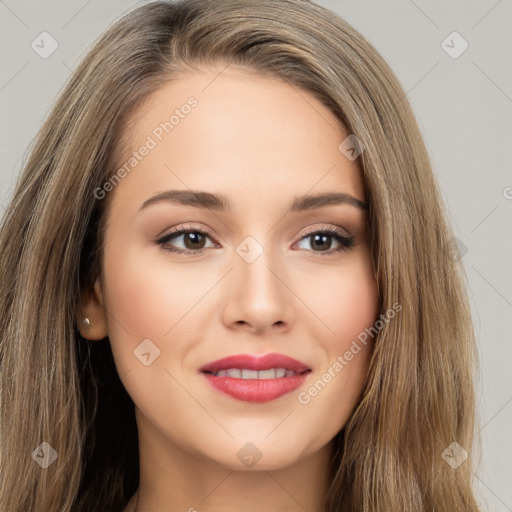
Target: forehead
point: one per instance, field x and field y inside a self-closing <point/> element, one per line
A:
<point x="222" y="130"/>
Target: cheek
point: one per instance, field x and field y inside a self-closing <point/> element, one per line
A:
<point x="148" y="295"/>
<point x="145" y="300"/>
<point x="354" y="307"/>
<point x="348" y="304"/>
<point x="345" y="299"/>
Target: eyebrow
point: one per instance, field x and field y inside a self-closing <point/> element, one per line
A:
<point x="219" y="202"/>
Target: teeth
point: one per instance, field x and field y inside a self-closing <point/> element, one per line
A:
<point x="223" y="373"/>
<point x="237" y="373"/>
<point x="264" y="374"/>
<point x="249" y="374"/>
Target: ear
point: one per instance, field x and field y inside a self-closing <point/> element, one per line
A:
<point x="92" y="307"/>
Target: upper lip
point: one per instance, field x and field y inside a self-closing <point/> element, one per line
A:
<point x="252" y="362"/>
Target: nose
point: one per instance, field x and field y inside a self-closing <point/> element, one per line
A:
<point x="258" y="297"/>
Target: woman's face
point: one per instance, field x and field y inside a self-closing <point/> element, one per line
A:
<point x="256" y="273"/>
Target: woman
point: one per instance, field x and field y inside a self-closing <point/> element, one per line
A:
<point x="226" y="280"/>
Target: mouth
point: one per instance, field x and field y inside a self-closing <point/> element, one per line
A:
<point x="256" y="379"/>
<point x="243" y="373"/>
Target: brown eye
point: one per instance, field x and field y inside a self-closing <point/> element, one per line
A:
<point x="321" y="241"/>
<point x="193" y="240"/>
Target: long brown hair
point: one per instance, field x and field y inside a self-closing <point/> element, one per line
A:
<point x="61" y="389"/>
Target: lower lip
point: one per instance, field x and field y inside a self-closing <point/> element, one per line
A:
<point x="255" y="390"/>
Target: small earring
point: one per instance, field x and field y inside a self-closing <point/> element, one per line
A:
<point x="87" y="323"/>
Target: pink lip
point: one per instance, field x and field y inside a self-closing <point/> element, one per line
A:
<point x="250" y="362"/>
<point x="256" y="390"/>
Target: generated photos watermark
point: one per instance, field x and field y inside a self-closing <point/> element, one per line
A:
<point x="151" y="142"/>
<point x="305" y="397"/>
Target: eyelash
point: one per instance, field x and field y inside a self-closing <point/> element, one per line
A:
<point x="346" y="242"/>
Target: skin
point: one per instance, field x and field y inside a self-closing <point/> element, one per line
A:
<point x="260" y="143"/>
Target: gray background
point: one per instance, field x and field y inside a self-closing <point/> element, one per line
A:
<point x="463" y="106"/>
